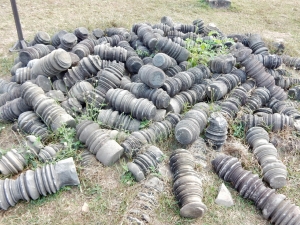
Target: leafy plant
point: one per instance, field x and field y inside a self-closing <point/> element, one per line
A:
<point x="144" y="124"/>
<point x="238" y="129"/>
<point x="154" y="172"/>
<point x="127" y="177"/>
<point x="91" y="112"/>
<point x="186" y="107"/>
<point x="95" y="190"/>
<point x="203" y="50"/>
<point x="67" y="137"/>
<point x="142" y="53"/>
<point x="30" y="159"/>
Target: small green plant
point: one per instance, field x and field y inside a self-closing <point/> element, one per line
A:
<point x="142" y="53"/>
<point x="203" y="50"/>
<point x="186" y="107"/>
<point x="30" y="159"/>
<point x="95" y="190"/>
<point x="154" y="172"/>
<point x="145" y="123"/>
<point x="67" y="137"/>
<point x="127" y="177"/>
<point x="91" y="112"/>
<point x="268" y="128"/>
<point x="238" y="129"/>
<point x="214" y="107"/>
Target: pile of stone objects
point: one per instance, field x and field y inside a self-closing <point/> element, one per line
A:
<point x="130" y="78"/>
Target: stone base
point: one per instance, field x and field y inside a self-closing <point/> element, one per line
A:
<point x="216" y="4"/>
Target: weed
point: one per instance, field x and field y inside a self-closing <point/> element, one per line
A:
<point x="31" y="159"/>
<point x="127" y="177"/>
<point x="145" y="124"/>
<point x="238" y="129"/>
<point x="214" y="107"/>
<point x="186" y="107"/>
<point x="267" y="127"/>
<point x="163" y="158"/>
<point x="123" y="206"/>
<point x="95" y="190"/>
<point x="154" y="172"/>
<point x="67" y="137"/>
<point x="91" y="112"/>
<point x="142" y="53"/>
<point x="204" y="50"/>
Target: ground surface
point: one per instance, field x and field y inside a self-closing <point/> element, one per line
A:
<point x="105" y="191"/>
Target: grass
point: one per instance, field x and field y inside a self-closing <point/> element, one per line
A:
<point x="110" y="192"/>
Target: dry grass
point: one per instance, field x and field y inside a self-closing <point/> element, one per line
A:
<point x="101" y="188"/>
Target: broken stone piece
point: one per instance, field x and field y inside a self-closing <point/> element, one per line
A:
<point x="85" y="207"/>
<point x="216" y="4"/>
<point x="160" y="115"/>
<point x="224" y="197"/>
<point x="155" y="183"/>
<point x="66" y="173"/>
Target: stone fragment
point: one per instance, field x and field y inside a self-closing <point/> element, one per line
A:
<point x="160" y="115"/>
<point x="85" y="208"/>
<point x="66" y="173"/>
<point x="224" y="197"/>
<point x="155" y="183"/>
<point x="216" y="4"/>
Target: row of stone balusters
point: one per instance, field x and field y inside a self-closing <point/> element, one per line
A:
<point x="30" y="123"/>
<point x="255" y="69"/>
<point x="156" y="132"/>
<point x="283" y="107"/>
<point x="275" y="122"/>
<point x="183" y="81"/>
<point x="192" y="124"/>
<point x="237" y="98"/>
<point x="119" y="121"/>
<point x="99" y="142"/>
<point x="218" y="88"/>
<point x="187" y="184"/>
<point x="9" y="91"/>
<point x="190" y="97"/>
<point x="273" y="170"/>
<point x="274" y="207"/>
<point x="158" y="96"/>
<point x="86" y="68"/>
<point x="283" y="78"/>
<point x="145" y="162"/>
<point x="125" y="102"/>
<point x="259" y="98"/>
<point x="41" y="182"/>
<point x="15" y="160"/>
<point x="12" y="109"/>
<point x="53" y="115"/>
